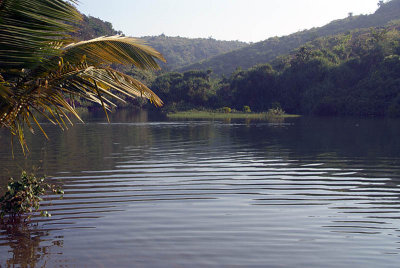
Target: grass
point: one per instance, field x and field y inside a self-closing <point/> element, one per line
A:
<point x="194" y="114"/>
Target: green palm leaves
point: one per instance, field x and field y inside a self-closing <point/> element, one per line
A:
<point x="114" y="49"/>
<point x="42" y="72"/>
<point x="28" y="28"/>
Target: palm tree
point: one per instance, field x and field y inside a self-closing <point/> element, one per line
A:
<point x="42" y="71"/>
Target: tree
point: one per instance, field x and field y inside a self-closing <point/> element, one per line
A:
<point x="43" y="71"/>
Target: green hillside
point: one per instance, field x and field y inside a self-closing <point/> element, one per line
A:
<point x="178" y="51"/>
<point x="266" y="51"/>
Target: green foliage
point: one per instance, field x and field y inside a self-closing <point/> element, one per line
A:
<point x="187" y="90"/>
<point x="24" y="196"/>
<point x="30" y="30"/>
<point x="275" y="112"/>
<point x="226" y="110"/>
<point x="357" y="73"/>
<point x="215" y="114"/>
<point x="246" y="109"/>
<point x="247" y="87"/>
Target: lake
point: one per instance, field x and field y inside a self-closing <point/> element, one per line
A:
<point x="145" y="192"/>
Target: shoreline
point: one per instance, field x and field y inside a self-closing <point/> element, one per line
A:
<point x="221" y="115"/>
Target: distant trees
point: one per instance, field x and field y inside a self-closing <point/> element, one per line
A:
<point x="254" y="88"/>
<point x="357" y="73"/>
<point x="182" y="51"/>
<point x="183" y="91"/>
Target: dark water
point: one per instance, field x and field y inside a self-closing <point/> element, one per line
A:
<point x="143" y="193"/>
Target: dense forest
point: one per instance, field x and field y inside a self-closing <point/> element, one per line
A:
<point x="357" y="73"/>
<point x="178" y="51"/>
<point x="268" y="50"/>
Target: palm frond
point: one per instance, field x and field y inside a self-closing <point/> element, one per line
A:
<point x="114" y="49"/>
<point x="48" y="95"/>
<point x="86" y="81"/>
<point x="28" y="28"/>
<point x="38" y="72"/>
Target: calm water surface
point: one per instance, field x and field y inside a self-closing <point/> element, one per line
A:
<point x="148" y="193"/>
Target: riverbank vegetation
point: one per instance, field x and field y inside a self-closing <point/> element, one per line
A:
<point x="23" y="197"/>
<point x="355" y="74"/>
<point x="221" y="114"/>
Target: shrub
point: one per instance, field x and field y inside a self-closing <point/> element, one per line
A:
<point x="227" y="110"/>
<point x="246" y="109"/>
<point x="24" y="196"/>
<point x="275" y="112"/>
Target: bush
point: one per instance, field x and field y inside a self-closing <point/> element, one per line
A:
<point x="246" y="109"/>
<point x="275" y="112"/>
<point x="227" y="110"/>
<point x="24" y="196"/>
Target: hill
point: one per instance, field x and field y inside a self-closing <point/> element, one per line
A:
<point x="266" y="51"/>
<point x="178" y="51"/>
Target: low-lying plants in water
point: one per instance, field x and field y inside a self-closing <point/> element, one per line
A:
<point x="23" y="197"/>
<point x="276" y="112"/>
<point x="216" y="114"/>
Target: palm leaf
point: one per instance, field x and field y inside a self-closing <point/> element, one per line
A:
<point x="28" y="28"/>
<point x="37" y="70"/>
<point x="99" y="85"/>
<point x="114" y="49"/>
<point x="85" y="81"/>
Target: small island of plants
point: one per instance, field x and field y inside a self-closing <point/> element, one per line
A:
<point x="228" y="113"/>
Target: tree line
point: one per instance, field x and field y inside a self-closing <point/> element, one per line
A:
<point x="356" y="73"/>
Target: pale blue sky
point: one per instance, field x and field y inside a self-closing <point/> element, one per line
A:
<point x="245" y="20"/>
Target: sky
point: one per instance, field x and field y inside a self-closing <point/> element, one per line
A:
<point x="244" y="20"/>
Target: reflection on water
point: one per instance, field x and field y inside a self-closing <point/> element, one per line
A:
<point x="28" y="245"/>
<point x="306" y="193"/>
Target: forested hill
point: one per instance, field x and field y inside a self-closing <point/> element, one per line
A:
<point x="178" y="51"/>
<point x="266" y="51"/>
